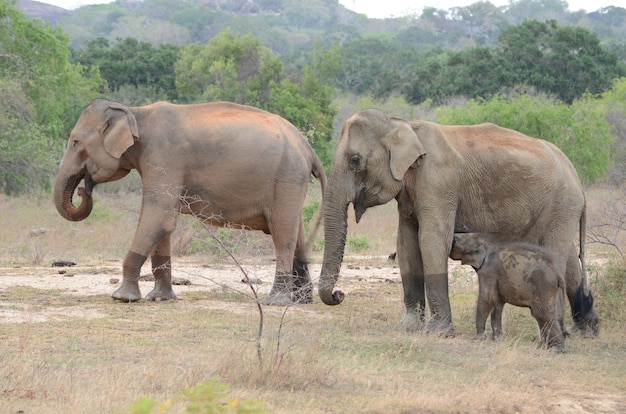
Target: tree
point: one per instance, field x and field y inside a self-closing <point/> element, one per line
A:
<point x="564" y="61"/>
<point x="376" y="66"/>
<point x="472" y="73"/>
<point x="41" y="94"/>
<point x="131" y="62"/>
<point x="240" y="69"/>
<point x="231" y="68"/>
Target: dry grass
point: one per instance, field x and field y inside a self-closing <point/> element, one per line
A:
<point x="316" y="359"/>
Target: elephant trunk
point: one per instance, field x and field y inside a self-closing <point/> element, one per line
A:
<point x="335" y="230"/>
<point x="64" y="192"/>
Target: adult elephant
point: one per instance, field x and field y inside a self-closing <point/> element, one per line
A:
<point x="480" y="178"/>
<point x="227" y="164"/>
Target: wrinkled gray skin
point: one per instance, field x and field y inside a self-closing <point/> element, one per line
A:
<point x="483" y="178"/>
<point x="521" y="274"/>
<point x="225" y="163"/>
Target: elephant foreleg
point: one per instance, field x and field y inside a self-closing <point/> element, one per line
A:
<point x="156" y="222"/>
<point x="410" y="262"/>
<point x="162" y="271"/>
<point x="129" y="290"/>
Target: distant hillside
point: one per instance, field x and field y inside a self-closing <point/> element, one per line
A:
<point x="43" y="11"/>
<point x="290" y="27"/>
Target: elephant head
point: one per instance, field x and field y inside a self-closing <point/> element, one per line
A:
<point x="470" y="249"/>
<point x="103" y="132"/>
<point x="374" y="153"/>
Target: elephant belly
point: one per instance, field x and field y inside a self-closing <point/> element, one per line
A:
<point x="224" y="215"/>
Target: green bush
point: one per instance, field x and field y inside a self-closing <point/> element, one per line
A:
<point x="358" y="244"/>
<point x="206" y="398"/>
<point x="609" y="288"/>
<point x="308" y="212"/>
<point x="213" y="245"/>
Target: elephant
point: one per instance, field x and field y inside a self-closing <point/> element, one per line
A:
<point x="484" y="178"/>
<point x="227" y="164"/>
<point x="521" y="274"/>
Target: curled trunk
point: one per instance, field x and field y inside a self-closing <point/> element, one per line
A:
<point x="335" y="230"/>
<point x="64" y="192"/>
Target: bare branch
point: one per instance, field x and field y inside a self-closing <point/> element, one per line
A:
<point x="610" y="225"/>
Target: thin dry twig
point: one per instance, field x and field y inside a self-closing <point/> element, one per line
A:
<point x="609" y="228"/>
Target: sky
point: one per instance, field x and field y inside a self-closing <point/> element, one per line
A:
<point x="377" y="9"/>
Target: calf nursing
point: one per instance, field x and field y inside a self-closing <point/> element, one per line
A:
<point x="517" y="273"/>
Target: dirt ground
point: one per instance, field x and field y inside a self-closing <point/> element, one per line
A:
<point x="196" y="275"/>
<point x="188" y="275"/>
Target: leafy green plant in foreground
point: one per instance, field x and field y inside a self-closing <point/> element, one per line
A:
<point x="207" y="398"/>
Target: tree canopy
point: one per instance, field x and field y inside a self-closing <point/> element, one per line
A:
<point x="241" y="69"/>
<point x="40" y="96"/>
<point x="433" y="60"/>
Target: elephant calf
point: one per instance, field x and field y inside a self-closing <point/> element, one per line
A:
<point x="517" y="273"/>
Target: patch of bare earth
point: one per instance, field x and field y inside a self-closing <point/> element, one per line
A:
<point x="189" y="276"/>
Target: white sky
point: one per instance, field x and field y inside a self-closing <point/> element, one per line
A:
<point x="394" y="8"/>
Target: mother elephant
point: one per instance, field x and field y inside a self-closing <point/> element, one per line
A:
<point x="481" y="178"/>
<point x="225" y="163"/>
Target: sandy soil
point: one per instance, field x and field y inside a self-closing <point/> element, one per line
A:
<point x="102" y="279"/>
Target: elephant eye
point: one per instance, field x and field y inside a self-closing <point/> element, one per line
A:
<point x="355" y="161"/>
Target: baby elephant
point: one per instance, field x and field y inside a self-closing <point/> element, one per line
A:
<point x="517" y="273"/>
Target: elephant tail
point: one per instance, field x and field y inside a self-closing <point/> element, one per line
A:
<point x="317" y="169"/>
<point x="583" y="312"/>
<point x="582" y="236"/>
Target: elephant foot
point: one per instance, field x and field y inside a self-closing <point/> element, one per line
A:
<point x="278" y="299"/>
<point x="303" y="295"/>
<point x="161" y="294"/>
<point x="496" y="337"/>
<point x="128" y="292"/>
<point x="441" y="327"/>
<point x="411" y="322"/>
<point x="479" y="337"/>
<point x="589" y="326"/>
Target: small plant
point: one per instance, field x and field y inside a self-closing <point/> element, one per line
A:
<point x="609" y="287"/>
<point x="210" y="246"/>
<point x="209" y="397"/>
<point x="308" y="212"/>
<point x="358" y="244"/>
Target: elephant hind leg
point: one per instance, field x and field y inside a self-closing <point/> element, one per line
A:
<point x="550" y="330"/>
<point x="303" y="286"/>
<point x="288" y="237"/>
<point x="162" y="271"/>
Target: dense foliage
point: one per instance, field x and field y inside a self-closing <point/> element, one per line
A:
<point x="134" y="63"/>
<point x="188" y="52"/>
<point x="563" y="61"/>
<point x="241" y="69"/>
<point x="41" y="94"/>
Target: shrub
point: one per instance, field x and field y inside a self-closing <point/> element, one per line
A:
<point x="207" y="398"/>
<point x="358" y="244"/>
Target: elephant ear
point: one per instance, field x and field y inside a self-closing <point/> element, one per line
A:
<point x="121" y="135"/>
<point x="404" y="147"/>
